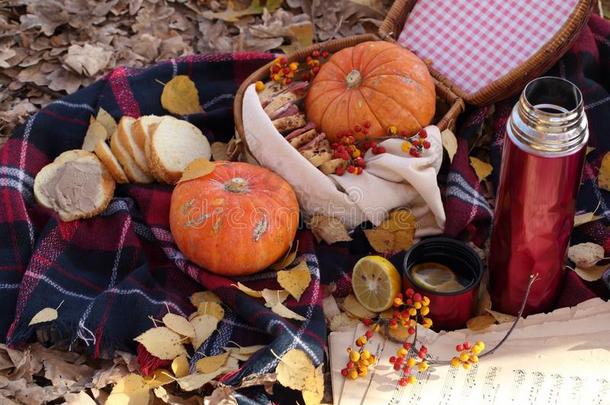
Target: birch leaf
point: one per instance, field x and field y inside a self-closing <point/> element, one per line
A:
<point x="162" y="342"/>
<point x="482" y="169"/>
<point x="210" y="364"/>
<point x="131" y="390"/>
<point x="204" y="326"/>
<point x="603" y="177"/>
<point x="590" y="274"/>
<point x="295" y="280"/>
<point x="211" y="308"/>
<point x="249" y="291"/>
<point x="449" y="143"/>
<point x="585" y="218"/>
<point x="203" y="296"/>
<point x="44" y="315"/>
<point x="180" y="366"/>
<point x="109" y="123"/>
<point x="179" y="324"/>
<point x="293" y="369"/>
<point x="180" y="96"/>
<point x="585" y="255"/>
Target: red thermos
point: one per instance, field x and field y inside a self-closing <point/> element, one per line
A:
<point x="542" y="163"/>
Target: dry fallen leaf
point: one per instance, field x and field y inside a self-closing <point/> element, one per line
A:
<point x="295" y="280"/>
<point x="193" y="382"/>
<point x="314" y="387"/>
<point x="592" y="273"/>
<point x="243" y="353"/>
<point x="500" y="317"/>
<point x="180" y="366"/>
<point x="158" y="378"/>
<point x="162" y="342"/>
<point x="329" y="229"/>
<point x="286" y="312"/>
<point x="342" y="322"/>
<point x="87" y="60"/>
<point x="178" y="324"/>
<point x="293" y="369"/>
<point x="203" y="296"/>
<point x="381" y="241"/>
<point x="204" y="326"/>
<point x="585" y="218"/>
<point x="210" y="364"/>
<point x="288" y="258"/>
<point x="233" y="12"/>
<point x="180" y="96"/>
<point x="81" y="398"/>
<point x="449" y="143"/>
<point x="395" y="233"/>
<point x="353" y="307"/>
<point x="211" y="308"/>
<point x="603" y="178"/>
<point x="273" y="297"/>
<point x="104" y="118"/>
<point x="482" y="169"/>
<point x="197" y="168"/>
<point x="222" y="395"/>
<point x="131" y="390"/>
<point x="219" y="151"/>
<point x="330" y="307"/>
<point x="44" y="315"/>
<point x="480" y="322"/>
<point x="247" y="290"/>
<point x="585" y="255"/>
<point x="95" y="133"/>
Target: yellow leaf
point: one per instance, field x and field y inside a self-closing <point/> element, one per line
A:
<point x="211" y="363"/>
<point x="180" y="96"/>
<point x="107" y="121"/>
<point x="381" y="241"/>
<point x="158" y="378"/>
<point x="328" y="229"/>
<point x="482" y="169"/>
<point x="286" y="312"/>
<point x="179" y="324"/>
<point x="130" y="390"/>
<point x="295" y="280"/>
<point x="394" y="234"/>
<point x="314" y="387"/>
<point x="180" y="366"/>
<point x="204" y="326"/>
<point x="243" y="353"/>
<point x="355" y="308"/>
<point x="585" y="218"/>
<point x="401" y="219"/>
<point x="197" y="168"/>
<point x="603" y="178"/>
<point x="593" y="273"/>
<point x="211" y="308"/>
<point x="293" y="369"/>
<point x="585" y="255"/>
<point x="500" y="317"/>
<point x="195" y="381"/>
<point x="233" y="15"/>
<point x="162" y="342"/>
<point x="248" y="290"/>
<point x="273" y="297"/>
<point x="202" y="296"/>
<point x="480" y="322"/>
<point x="450" y="143"/>
<point x="44" y="315"/>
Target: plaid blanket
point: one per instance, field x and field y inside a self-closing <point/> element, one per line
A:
<point x="112" y="272"/>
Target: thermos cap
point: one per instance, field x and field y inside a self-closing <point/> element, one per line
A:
<point x="549" y="119"/>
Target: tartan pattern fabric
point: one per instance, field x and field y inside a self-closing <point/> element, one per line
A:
<point x="109" y="273"/>
<point x="473" y="43"/>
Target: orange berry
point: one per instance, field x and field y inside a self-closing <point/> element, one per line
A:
<point x="466" y="366"/>
<point x="464" y="356"/>
<point x="411" y="362"/>
<point x="259" y="86"/>
<point x="474" y="358"/>
<point x="426" y="301"/>
<point x="392" y="130"/>
<point x="422" y="366"/>
<point x="354" y="356"/>
<point x="425" y="310"/>
<point x="417" y="305"/>
<point x="402" y="352"/>
<point x="412" y="311"/>
<point x="455" y="362"/>
<point x="353" y="374"/>
<point x="411" y="379"/>
<point x="294" y="66"/>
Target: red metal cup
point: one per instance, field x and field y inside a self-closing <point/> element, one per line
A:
<point x="448" y="310"/>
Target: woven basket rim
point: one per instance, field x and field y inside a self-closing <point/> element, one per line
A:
<point x="514" y="80"/>
<point x="456" y="105"/>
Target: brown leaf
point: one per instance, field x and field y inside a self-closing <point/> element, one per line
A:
<point x="585" y="255"/>
<point x="351" y="305"/>
<point x="233" y="14"/>
<point x="480" y="322"/>
<point x="180" y="96"/>
<point x="197" y="168"/>
<point x="87" y="60"/>
<point x="381" y="240"/>
<point x="219" y="151"/>
<point x="329" y="229"/>
<point x="500" y="317"/>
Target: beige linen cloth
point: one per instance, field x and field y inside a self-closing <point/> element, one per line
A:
<point x="390" y="180"/>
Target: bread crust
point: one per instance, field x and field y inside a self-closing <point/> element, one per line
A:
<point x="129" y="166"/>
<point x="104" y="153"/>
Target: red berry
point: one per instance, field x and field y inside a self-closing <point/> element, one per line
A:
<point x="286" y="70"/>
<point x="423" y="349"/>
<point x="409" y="302"/>
<point x="344" y="372"/>
<point x="406" y="369"/>
<point x="360" y="162"/>
<point x="350" y="364"/>
<point x="357" y="128"/>
<point x="415" y="142"/>
<point x="411" y="330"/>
<point x="396" y="366"/>
<point x="306" y="76"/>
<point x="466" y="345"/>
<point x="417" y="297"/>
<point x="325" y="54"/>
<point x="367" y="321"/>
<point x="381" y="149"/>
<point x="393" y="322"/>
<point x="426" y="145"/>
<point x="409" y="292"/>
<point x="340" y="171"/>
<point x="403" y="133"/>
<point x="406" y="345"/>
<point x="283" y="60"/>
<point x="315" y="53"/>
<point x="373" y="144"/>
<point x="367" y="124"/>
<point x="413" y="152"/>
<point x="308" y="59"/>
<point x="421" y="355"/>
<point x="345" y="155"/>
<point x="392" y="359"/>
<point x="369" y="334"/>
<point x="315" y="69"/>
<point x="359" y="170"/>
<point x="275" y="69"/>
<point x="402" y="382"/>
<point x="288" y="81"/>
<point x="405" y="314"/>
<point x="365" y="130"/>
<point x="351" y="168"/>
<point x="422" y="133"/>
<point x="459" y="348"/>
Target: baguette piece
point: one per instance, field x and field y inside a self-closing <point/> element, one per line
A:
<point x="104" y="153"/>
<point x="128" y="140"/>
<point x="143" y="127"/>
<point x="132" y="170"/>
<point x="76" y="185"/>
<point x="289" y="123"/>
<point x="173" y="145"/>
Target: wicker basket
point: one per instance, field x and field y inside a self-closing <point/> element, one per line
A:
<point x="448" y="104"/>
<point x="515" y="80"/>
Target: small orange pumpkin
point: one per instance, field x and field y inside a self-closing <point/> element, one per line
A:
<point x="376" y="82"/>
<point x="237" y="220"/>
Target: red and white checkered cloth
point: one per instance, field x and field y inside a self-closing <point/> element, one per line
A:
<point x="475" y="42"/>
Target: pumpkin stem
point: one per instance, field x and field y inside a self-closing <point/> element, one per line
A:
<point x="353" y="79"/>
<point x="237" y="185"/>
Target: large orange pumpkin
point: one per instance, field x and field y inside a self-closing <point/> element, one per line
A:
<point x="236" y="220"/>
<point x="376" y="82"/>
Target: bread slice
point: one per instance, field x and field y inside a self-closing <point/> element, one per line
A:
<point x="104" y="153"/>
<point x="142" y="128"/>
<point x="71" y="155"/>
<point x="75" y="186"/>
<point x="289" y="123"/>
<point x="132" y="170"/>
<point x="128" y="140"/>
<point x="173" y="145"/>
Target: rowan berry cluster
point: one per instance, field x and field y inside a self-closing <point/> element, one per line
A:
<point x="283" y="72"/>
<point x="360" y="359"/>
<point x="408" y="308"/>
<point x="468" y="355"/>
<point x="313" y="63"/>
<point x="415" y="145"/>
<point x="347" y="149"/>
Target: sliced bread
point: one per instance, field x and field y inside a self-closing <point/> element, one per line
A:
<point x="132" y="170"/>
<point x="128" y="140"/>
<point x="104" y="153"/>
<point x="142" y="127"/>
<point x="173" y="145"/>
<point x="75" y="186"/>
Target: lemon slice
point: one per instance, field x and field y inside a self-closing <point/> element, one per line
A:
<point x="435" y="277"/>
<point x="376" y="283"/>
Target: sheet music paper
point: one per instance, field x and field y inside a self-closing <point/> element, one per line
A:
<point x="557" y="358"/>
